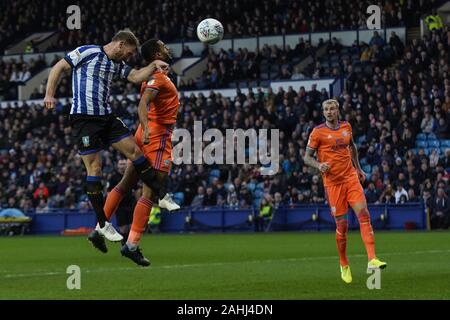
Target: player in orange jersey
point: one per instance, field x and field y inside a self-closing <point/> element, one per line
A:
<point x="158" y="109"/>
<point x="337" y="157"/>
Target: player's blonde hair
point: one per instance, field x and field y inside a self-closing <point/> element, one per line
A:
<point x="127" y="36"/>
<point x="330" y="101"/>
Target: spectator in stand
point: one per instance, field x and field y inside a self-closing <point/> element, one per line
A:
<point x="245" y="197"/>
<point x="399" y="193"/>
<point x="366" y="54"/>
<point x="403" y="199"/>
<point x="387" y="196"/>
<point x="396" y="43"/>
<point x="434" y="158"/>
<point x="440" y="211"/>
<point x="442" y="129"/>
<point x="41" y="193"/>
<point x="297" y="74"/>
<point x="428" y="123"/>
<point x="372" y="194"/>
<point x="412" y="196"/>
<point x="199" y="198"/>
<point x="210" y="198"/>
<point x="285" y="74"/>
<point x="376" y="40"/>
<point x="387" y="107"/>
<point x="278" y="200"/>
<point x="334" y="47"/>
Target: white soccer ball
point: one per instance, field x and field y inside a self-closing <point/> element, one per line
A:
<point x="210" y="31"/>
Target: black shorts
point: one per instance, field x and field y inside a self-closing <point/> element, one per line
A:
<point x="92" y="133"/>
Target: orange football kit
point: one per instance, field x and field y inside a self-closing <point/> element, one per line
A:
<point x="342" y="187"/>
<point x="162" y="116"/>
<point x="341" y="181"/>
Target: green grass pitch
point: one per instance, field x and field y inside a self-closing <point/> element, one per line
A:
<point x="227" y="266"/>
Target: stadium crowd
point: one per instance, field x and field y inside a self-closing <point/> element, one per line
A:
<point x="399" y="116"/>
<point x="21" y="18"/>
<point x="243" y="67"/>
<point x="174" y="20"/>
<point x="361" y="56"/>
<point x="16" y="72"/>
<point x="239" y="68"/>
<point x="397" y="99"/>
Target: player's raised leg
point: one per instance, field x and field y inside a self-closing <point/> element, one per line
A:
<point x="115" y="196"/>
<point x="144" y="170"/>
<point x="166" y="202"/>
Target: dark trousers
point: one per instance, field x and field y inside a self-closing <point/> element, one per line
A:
<point x="439" y="222"/>
<point x="261" y="223"/>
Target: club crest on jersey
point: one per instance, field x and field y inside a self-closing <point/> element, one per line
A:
<point x="74" y="54"/>
<point x="344" y="133"/>
<point x="85" y="141"/>
<point x="166" y="162"/>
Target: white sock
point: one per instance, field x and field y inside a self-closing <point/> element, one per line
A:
<point x="131" y="246"/>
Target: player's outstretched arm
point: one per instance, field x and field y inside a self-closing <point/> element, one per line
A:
<point x="52" y="82"/>
<point x="148" y="96"/>
<point x="355" y="160"/>
<point x="312" y="162"/>
<point x="138" y="76"/>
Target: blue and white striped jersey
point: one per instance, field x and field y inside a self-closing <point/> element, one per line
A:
<point x="92" y="74"/>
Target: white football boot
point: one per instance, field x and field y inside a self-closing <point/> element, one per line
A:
<point x="109" y="232"/>
<point x="168" y="203"/>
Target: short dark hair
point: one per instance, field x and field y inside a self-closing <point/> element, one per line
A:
<point x="127" y="36"/>
<point x="149" y="49"/>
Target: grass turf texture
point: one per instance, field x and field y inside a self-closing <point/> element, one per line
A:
<point x="227" y="266"/>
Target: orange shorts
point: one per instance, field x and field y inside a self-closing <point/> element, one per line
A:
<point x="339" y="196"/>
<point x="159" y="150"/>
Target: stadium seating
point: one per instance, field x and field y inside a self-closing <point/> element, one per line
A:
<point x="431" y="136"/>
<point x="433" y="143"/>
<point x="178" y="197"/>
<point x="421" y="137"/>
<point x="238" y="22"/>
<point x="25" y="160"/>
<point x="421" y="144"/>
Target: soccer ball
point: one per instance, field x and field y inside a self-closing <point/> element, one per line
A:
<point x="210" y="31"/>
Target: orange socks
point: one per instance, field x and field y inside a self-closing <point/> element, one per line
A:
<point x="112" y="202"/>
<point x="367" y="232"/>
<point x="140" y="219"/>
<point x="366" y="235"/>
<point x="341" y="240"/>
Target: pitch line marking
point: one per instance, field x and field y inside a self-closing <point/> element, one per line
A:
<point x="195" y="265"/>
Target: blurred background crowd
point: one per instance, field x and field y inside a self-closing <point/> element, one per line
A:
<point x="397" y="99"/>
